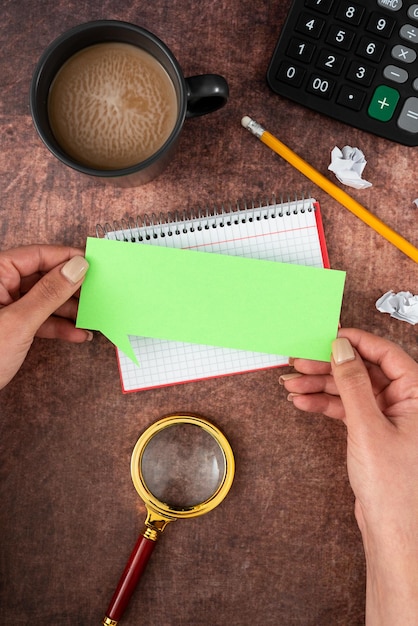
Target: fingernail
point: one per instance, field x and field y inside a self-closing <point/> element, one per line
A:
<point x="291" y="360"/>
<point x="89" y="335"/>
<point x="285" y="377"/>
<point x="290" y="396"/>
<point x="75" y="269"/>
<point x="342" y="351"/>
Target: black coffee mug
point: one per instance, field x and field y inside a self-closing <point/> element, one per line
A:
<point x="196" y="95"/>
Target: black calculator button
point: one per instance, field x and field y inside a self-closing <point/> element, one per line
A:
<point x="379" y="24"/>
<point x="301" y="50"/>
<point x="351" y="98"/>
<point x="361" y="73"/>
<point x="408" y="119"/>
<point x="290" y="74"/>
<point x="350" y="12"/>
<point x="320" y="86"/>
<point x="404" y="54"/>
<point x="370" y="49"/>
<point x="409" y="33"/>
<point x="311" y="25"/>
<point x="330" y="61"/>
<point x="323" y="6"/>
<point x="397" y="74"/>
<point x="340" y="37"/>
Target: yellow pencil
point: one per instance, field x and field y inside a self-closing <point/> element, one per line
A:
<point x="333" y="190"/>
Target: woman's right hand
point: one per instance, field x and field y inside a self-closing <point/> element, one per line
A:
<point x="371" y="385"/>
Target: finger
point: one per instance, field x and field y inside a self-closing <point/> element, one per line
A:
<point x="60" y="328"/>
<point x="14" y="286"/>
<point x="68" y="309"/>
<point x="304" y="383"/>
<point x="28" y="260"/>
<point x="319" y="391"/>
<point x="306" y="366"/>
<point x="49" y="294"/>
<point x="38" y="258"/>
<point x="390" y="357"/>
<point x="354" y="386"/>
<point x="26" y="283"/>
<point x="328" y="405"/>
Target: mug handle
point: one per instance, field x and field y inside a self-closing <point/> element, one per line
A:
<point x="205" y="93"/>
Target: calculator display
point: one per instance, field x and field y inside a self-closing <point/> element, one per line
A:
<point x="355" y="62"/>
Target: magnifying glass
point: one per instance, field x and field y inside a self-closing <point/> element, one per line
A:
<point x="182" y="466"/>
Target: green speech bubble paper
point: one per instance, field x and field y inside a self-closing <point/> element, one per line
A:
<point x="211" y="299"/>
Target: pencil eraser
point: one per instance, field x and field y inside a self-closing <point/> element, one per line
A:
<point x="246" y="121"/>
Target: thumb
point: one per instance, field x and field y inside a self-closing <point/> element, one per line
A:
<point x="354" y="385"/>
<point x="50" y="292"/>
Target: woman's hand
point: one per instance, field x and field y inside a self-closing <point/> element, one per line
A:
<point x="372" y="386"/>
<point x="37" y="287"/>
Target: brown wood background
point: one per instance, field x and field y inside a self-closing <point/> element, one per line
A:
<point x="283" y="549"/>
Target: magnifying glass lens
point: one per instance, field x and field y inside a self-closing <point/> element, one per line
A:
<point x="183" y="465"/>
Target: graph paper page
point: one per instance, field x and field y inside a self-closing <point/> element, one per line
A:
<point x="288" y="232"/>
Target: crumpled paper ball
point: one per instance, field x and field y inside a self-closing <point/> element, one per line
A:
<point x="348" y="165"/>
<point x="402" y="306"/>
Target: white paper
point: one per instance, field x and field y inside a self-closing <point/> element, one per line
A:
<point x="348" y="165"/>
<point x="415" y="202"/>
<point x="402" y="306"/>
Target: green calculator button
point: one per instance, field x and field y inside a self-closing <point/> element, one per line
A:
<point x="383" y="103"/>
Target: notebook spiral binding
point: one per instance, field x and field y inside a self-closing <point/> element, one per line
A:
<point x="151" y="226"/>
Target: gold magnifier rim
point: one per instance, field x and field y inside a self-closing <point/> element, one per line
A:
<point x="162" y="508"/>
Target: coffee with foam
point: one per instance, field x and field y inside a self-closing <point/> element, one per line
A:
<point x="112" y="105"/>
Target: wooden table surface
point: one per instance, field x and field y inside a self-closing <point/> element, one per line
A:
<point x="283" y="548"/>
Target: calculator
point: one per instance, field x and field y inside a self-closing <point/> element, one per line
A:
<point x="353" y="61"/>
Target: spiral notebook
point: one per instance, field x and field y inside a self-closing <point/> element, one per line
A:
<point x="288" y="231"/>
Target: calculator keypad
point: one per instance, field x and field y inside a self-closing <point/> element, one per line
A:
<point x="356" y="62"/>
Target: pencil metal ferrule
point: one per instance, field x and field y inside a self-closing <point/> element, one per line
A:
<point x="255" y="128"/>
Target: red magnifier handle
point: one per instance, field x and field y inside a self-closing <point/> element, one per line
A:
<point x="129" y="580"/>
